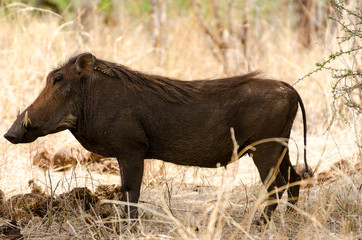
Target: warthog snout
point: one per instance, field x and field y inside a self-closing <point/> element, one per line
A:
<point x="16" y="133"/>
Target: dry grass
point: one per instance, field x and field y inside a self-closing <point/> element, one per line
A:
<point x="178" y="202"/>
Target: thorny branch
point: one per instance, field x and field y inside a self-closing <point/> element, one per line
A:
<point x="347" y="86"/>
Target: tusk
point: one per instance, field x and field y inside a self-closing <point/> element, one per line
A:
<point x="26" y="120"/>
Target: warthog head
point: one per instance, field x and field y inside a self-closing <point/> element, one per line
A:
<point x="58" y="105"/>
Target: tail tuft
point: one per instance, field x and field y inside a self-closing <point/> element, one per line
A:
<point x="307" y="173"/>
<point x="304" y="172"/>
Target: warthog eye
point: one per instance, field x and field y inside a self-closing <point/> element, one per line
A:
<point x="57" y="78"/>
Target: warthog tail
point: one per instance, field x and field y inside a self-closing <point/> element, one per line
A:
<point x="307" y="173"/>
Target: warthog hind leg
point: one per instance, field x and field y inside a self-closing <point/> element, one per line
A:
<point x="266" y="158"/>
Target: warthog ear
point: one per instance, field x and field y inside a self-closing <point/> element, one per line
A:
<point x="84" y="63"/>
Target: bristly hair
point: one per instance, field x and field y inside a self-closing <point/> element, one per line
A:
<point x="169" y="89"/>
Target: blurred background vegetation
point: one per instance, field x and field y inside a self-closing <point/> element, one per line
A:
<point x="233" y="16"/>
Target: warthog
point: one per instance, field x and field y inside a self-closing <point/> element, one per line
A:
<point x="118" y="112"/>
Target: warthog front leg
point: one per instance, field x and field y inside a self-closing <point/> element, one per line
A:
<point x="131" y="175"/>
